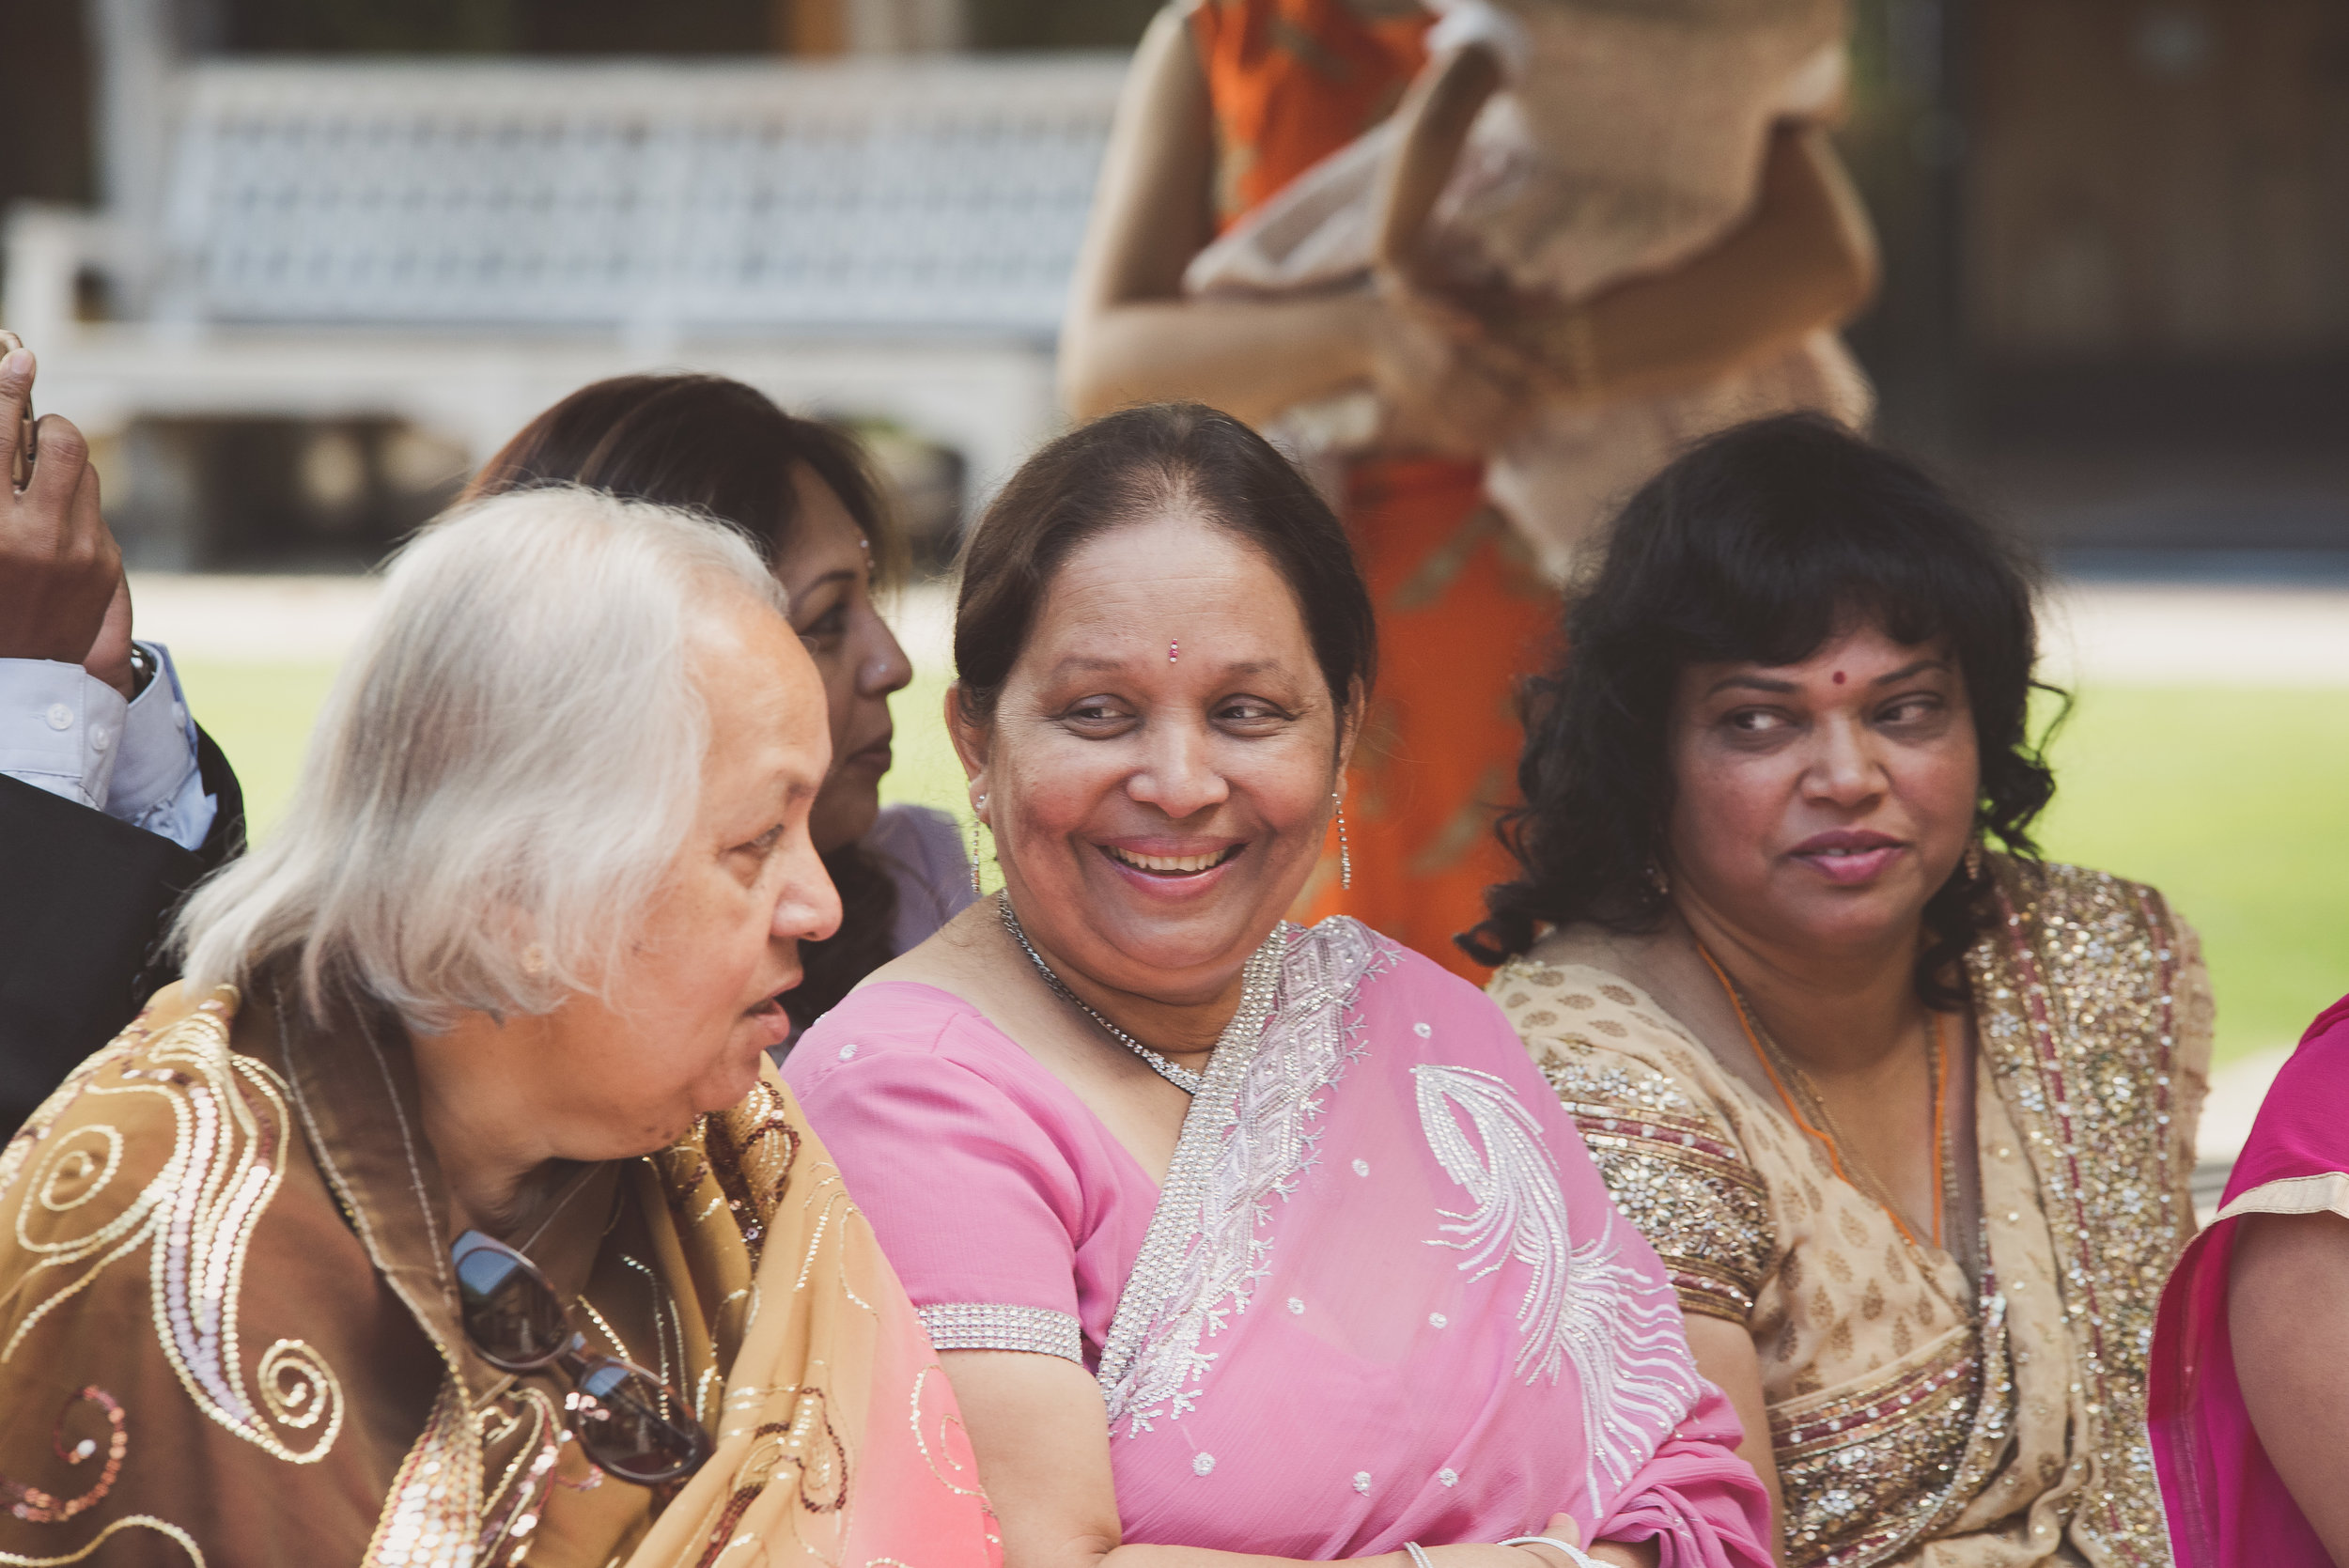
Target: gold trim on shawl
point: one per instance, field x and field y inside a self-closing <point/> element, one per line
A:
<point x="2326" y="1192"/>
<point x="1700" y="1205"/>
<point x="2076" y="1001"/>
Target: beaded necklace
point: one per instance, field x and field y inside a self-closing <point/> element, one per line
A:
<point x="1258" y="982"/>
<point x="1766" y="1052"/>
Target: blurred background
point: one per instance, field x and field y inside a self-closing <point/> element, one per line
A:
<point x="298" y="264"/>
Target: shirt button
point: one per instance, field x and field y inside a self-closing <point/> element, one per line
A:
<point x="99" y="738"/>
<point x="59" y="716"/>
<point x="179" y="713"/>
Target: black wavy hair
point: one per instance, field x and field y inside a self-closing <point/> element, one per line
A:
<point x="1762" y="544"/>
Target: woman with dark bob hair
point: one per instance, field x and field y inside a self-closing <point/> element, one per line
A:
<point x="804" y="494"/>
<point x="1908" y="1113"/>
<point x="1236" y="1235"/>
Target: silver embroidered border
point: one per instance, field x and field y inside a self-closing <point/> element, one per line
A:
<point x="1249" y="1133"/>
<point x="1000" y="1325"/>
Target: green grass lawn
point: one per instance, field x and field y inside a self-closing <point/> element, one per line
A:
<point x="2234" y="802"/>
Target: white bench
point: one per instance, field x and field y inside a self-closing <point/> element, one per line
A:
<point x="458" y="245"/>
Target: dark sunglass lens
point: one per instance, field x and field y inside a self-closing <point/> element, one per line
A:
<point x="632" y="1425"/>
<point x="511" y="1314"/>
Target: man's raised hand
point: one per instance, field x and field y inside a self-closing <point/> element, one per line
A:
<point x="60" y="571"/>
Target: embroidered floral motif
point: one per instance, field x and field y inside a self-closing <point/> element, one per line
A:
<point x="1250" y="1132"/>
<point x="172" y="1532"/>
<point x="751" y="1149"/>
<point x="35" y="1506"/>
<point x="939" y="1436"/>
<point x="806" y="1444"/>
<point x="1619" y="1328"/>
<point x="196" y="1217"/>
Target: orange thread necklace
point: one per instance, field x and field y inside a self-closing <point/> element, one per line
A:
<point x="1834" y="1153"/>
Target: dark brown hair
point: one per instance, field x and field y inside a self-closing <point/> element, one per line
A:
<point x="721" y="447"/>
<point x="1762" y="543"/>
<point x="1124" y="467"/>
<point x="702" y="442"/>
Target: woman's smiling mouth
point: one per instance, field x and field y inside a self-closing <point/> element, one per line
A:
<point x="1171" y="865"/>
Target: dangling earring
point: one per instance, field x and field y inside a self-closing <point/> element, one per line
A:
<point x="1973" y="858"/>
<point x="1657" y="880"/>
<point x="1346" y="855"/>
<point x="977" y="806"/>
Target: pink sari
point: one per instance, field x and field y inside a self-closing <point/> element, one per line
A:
<point x="1382" y="1296"/>
<point x="2228" y="1507"/>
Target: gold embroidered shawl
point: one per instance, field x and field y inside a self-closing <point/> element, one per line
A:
<point x="1916" y="1418"/>
<point x="228" y="1334"/>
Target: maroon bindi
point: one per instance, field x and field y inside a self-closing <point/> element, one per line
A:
<point x="1839" y="677"/>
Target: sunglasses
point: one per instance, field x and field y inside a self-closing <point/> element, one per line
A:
<point x="627" y="1420"/>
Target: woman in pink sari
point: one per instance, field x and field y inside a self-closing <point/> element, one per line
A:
<point x="1236" y="1236"/>
<point x="2249" y="1402"/>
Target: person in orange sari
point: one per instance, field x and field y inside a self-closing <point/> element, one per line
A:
<point x="1228" y="101"/>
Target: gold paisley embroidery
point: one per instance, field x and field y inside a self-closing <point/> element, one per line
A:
<point x="35" y="1506"/>
<point x="185" y="1542"/>
<point x="196" y="1217"/>
<point x="939" y="1436"/>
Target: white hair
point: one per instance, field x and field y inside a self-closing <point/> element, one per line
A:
<point x="503" y="774"/>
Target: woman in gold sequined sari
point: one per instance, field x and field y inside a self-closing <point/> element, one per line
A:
<point x="450" y="1212"/>
<point x="1908" y="1113"/>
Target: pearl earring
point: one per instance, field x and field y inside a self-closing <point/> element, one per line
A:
<point x="977" y="806"/>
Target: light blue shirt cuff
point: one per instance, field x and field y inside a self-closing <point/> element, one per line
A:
<point x="158" y="785"/>
<point x="59" y="726"/>
<point x="64" y="731"/>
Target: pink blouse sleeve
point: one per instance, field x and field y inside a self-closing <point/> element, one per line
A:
<point x="1700" y="1504"/>
<point x="975" y="1203"/>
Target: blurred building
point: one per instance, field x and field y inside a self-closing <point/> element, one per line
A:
<point x="301" y="261"/>
<point x="339" y="250"/>
<point x="2118" y="282"/>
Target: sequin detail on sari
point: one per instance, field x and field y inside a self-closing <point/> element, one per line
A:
<point x="35" y="1506"/>
<point x="434" y="1507"/>
<point x="196" y="1217"/>
<point x="2078" y="1017"/>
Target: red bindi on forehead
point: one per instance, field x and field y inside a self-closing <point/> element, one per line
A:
<point x="1839" y="677"/>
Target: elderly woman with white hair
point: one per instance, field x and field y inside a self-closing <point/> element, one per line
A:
<point x="449" y="1211"/>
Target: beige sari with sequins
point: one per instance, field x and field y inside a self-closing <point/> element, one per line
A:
<point x="228" y="1333"/>
<point x="1918" y="1415"/>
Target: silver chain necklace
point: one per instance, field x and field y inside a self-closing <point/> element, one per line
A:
<point x="1258" y="983"/>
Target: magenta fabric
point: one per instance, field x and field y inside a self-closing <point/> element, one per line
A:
<point x="1427" y="1322"/>
<point x="2226" y="1506"/>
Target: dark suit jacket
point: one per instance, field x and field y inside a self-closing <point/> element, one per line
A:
<point x="82" y="901"/>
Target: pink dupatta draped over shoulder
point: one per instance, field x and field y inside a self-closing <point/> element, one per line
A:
<point x="2228" y="1507"/>
<point x="1382" y="1296"/>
